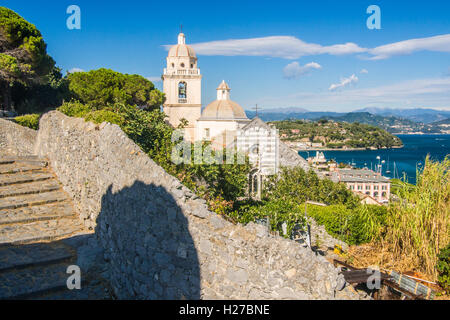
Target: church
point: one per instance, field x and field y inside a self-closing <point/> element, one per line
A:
<point x="182" y="85"/>
<point x="223" y="122"/>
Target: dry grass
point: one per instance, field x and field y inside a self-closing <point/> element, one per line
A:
<point x="418" y="225"/>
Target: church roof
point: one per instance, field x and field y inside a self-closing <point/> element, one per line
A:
<point x="182" y="49"/>
<point x="225" y="110"/>
<point x="223" y="86"/>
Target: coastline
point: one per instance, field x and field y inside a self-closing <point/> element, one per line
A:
<point x="347" y="149"/>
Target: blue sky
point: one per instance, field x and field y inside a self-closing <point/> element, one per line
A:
<point x="317" y="55"/>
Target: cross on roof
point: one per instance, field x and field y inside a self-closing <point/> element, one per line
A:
<point x="256" y="108"/>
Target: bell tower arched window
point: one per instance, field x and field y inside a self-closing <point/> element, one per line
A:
<point x="182" y="87"/>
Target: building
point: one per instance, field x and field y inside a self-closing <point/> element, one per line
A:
<point x="365" y="181"/>
<point x="221" y="119"/>
<point x="223" y="122"/>
<point x="182" y="85"/>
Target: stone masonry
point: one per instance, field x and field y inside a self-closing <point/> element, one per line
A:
<point x="159" y="239"/>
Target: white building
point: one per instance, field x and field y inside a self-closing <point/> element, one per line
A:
<point x="221" y="119"/>
<point x="182" y="87"/>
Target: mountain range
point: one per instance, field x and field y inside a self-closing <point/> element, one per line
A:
<point x="418" y="120"/>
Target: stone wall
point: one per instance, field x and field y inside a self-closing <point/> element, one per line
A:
<point x="160" y="240"/>
<point x="16" y="139"/>
<point x="291" y="158"/>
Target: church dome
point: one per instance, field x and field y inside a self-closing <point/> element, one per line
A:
<point x="182" y="49"/>
<point x="223" y="108"/>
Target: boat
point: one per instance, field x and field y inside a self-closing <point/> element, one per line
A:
<point x="388" y="169"/>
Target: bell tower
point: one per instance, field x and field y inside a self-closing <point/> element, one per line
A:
<point x="182" y="86"/>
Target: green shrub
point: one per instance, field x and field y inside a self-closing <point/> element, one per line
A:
<point x="300" y="186"/>
<point x="104" y="115"/>
<point x="278" y="211"/>
<point x="74" y="109"/>
<point x="443" y="268"/>
<point x="29" y="120"/>
<point x="354" y="226"/>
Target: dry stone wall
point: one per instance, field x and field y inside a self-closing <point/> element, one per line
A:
<point x="16" y="139"/>
<point x="160" y="240"/>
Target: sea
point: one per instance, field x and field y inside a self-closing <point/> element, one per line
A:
<point x="395" y="163"/>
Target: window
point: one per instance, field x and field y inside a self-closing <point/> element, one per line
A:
<point x="359" y="187"/>
<point x="367" y="187"/>
<point x="207" y="133"/>
<point x="173" y="65"/>
<point x="182" y="65"/>
<point x="182" y="90"/>
<point x="192" y="65"/>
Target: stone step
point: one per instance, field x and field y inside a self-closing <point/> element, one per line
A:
<point x="19" y="167"/>
<point x="23" y="159"/>
<point x="28" y="200"/>
<point x="27" y="283"/>
<point x="39" y="231"/>
<point x="29" y="188"/>
<point x="36" y="213"/>
<point x="36" y="254"/>
<point x="10" y="179"/>
<point x="95" y="289"/>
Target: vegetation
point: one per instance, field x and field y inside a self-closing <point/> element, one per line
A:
<point x="284" y="202"/>
<point x="215" y="182"/>
<point x="23" y="54"/>
<point x="29" y="120"/>
<point x="103" y="87"/>
<point x="418" y="223"/>
<point x="336" y="134"/>
<point x="443" y="268"/>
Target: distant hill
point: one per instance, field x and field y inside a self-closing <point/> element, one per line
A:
<point x="445" y="121"/>
<point x="402" y="124"/>
<point x="278" y="114"/>
<point x="389" y="123"/>
<point x="417" y="114"/>
<point x="335" y="135"/>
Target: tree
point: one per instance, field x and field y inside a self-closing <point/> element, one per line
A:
<point x="103" y="87"/>
<point x="23" y="54"/>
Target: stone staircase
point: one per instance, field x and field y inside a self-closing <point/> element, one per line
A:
<point x="37" y="221"/>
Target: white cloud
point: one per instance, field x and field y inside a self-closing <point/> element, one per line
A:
<point x="289" y="47"/>
<point x="294" y="70"/>
<point x="344" y="82"/>
<point x="429" y="93"/>
<point x="364" y="71"/>
<point x="154" y="79"/>
<point x="73" y="70"/>
<point x="437" y="43"/>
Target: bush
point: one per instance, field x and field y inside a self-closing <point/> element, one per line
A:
<point x="354" y="226"/>
<point x="443" y="268"/>
<point x="104" y="115"/>
<point x="74" y="109"/>
<point x="29" y="120"/>
<point x="300" y="186"/>
<point x="278" y="212"/>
